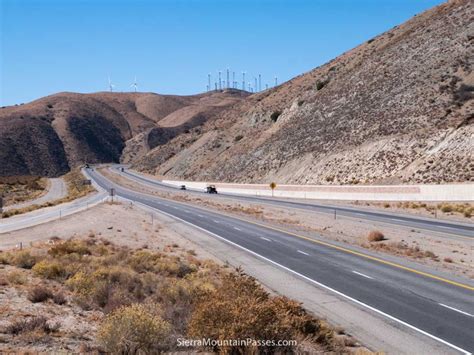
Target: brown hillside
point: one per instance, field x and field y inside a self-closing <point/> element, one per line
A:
<point x="398" y="108"/>
<point x="53" y="134"/>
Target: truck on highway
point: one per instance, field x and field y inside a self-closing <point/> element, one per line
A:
<point x="211" y="189"/>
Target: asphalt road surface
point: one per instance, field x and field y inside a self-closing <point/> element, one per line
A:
<point x="440" y="309"/>
<point x="431" y="224"/>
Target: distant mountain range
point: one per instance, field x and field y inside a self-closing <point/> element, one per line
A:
<point x="398" y="108"/>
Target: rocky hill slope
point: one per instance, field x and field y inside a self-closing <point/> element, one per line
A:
<point x="398" y="108"/>
<point x="49" y="136"/>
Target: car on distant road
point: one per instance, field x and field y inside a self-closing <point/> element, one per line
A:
<point x="182" y="187"/>
<point x="211" y="189"/>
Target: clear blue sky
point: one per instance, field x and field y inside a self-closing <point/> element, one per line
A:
<point x="49" y="46"/>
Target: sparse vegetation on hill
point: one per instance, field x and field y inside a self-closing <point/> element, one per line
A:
<point x="129" y="301"/>
<point x="396" y="109"/>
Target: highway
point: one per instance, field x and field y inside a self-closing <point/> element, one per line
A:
<point x="437" y="308"/>
<point x="429" y="224"/>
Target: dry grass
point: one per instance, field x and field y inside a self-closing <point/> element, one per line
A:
<point x="401" y="248"/>
<point x="39" y="294"/>
<point x="16" y="277"/>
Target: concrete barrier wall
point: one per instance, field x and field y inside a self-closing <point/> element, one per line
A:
<point x="449" y="192"/>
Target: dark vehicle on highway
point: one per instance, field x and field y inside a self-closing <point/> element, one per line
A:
<point x="211" y="189"/>
<point x="182" y="187"/>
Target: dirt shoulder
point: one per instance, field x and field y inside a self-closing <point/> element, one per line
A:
<point x="436" y="250"/>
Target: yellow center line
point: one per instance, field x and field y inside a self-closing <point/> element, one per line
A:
<point x="366" y="256"/>
<point x="361" y="254"/>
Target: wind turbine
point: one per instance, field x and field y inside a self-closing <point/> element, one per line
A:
<point x="111" y="86"/>
<point x="134" y="85"/>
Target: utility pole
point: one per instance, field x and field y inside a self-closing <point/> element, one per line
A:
<point x="233" y="80"/>
<point x="259" y="82"/>
<point x="209" y="81"/>
<point x="276" y="81"/>
<point x="255" y="84"/>
<point x="220" y="81"/>
<point x="243" y="81"/>
<point x="228" y="83"/>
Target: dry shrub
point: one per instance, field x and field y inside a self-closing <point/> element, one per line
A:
<point x="134" y="329"/>
<point x="24" y="259"/>
<point x="430" y="254"/>
<point x="240" y="309"/>
<point x="51" y="269"/>
<point x="16" y="277"/>
<point x="39" y="294"/>
<point x="375" y="236"/>
<point x="446" y="208"/>
<point x="69" y="247"/>
<point x="106" y="288"/>
<point x="143" y="260"/>
<point x="37" y="323"/>
<point x="59" y="298"/>
<point x="5" y="258"/>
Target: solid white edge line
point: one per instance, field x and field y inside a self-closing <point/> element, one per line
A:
<point x="302" y="252"/>
<point x="318" y="283"/>
<point x="456" y="310"/>
<point x="361" y="274"/>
